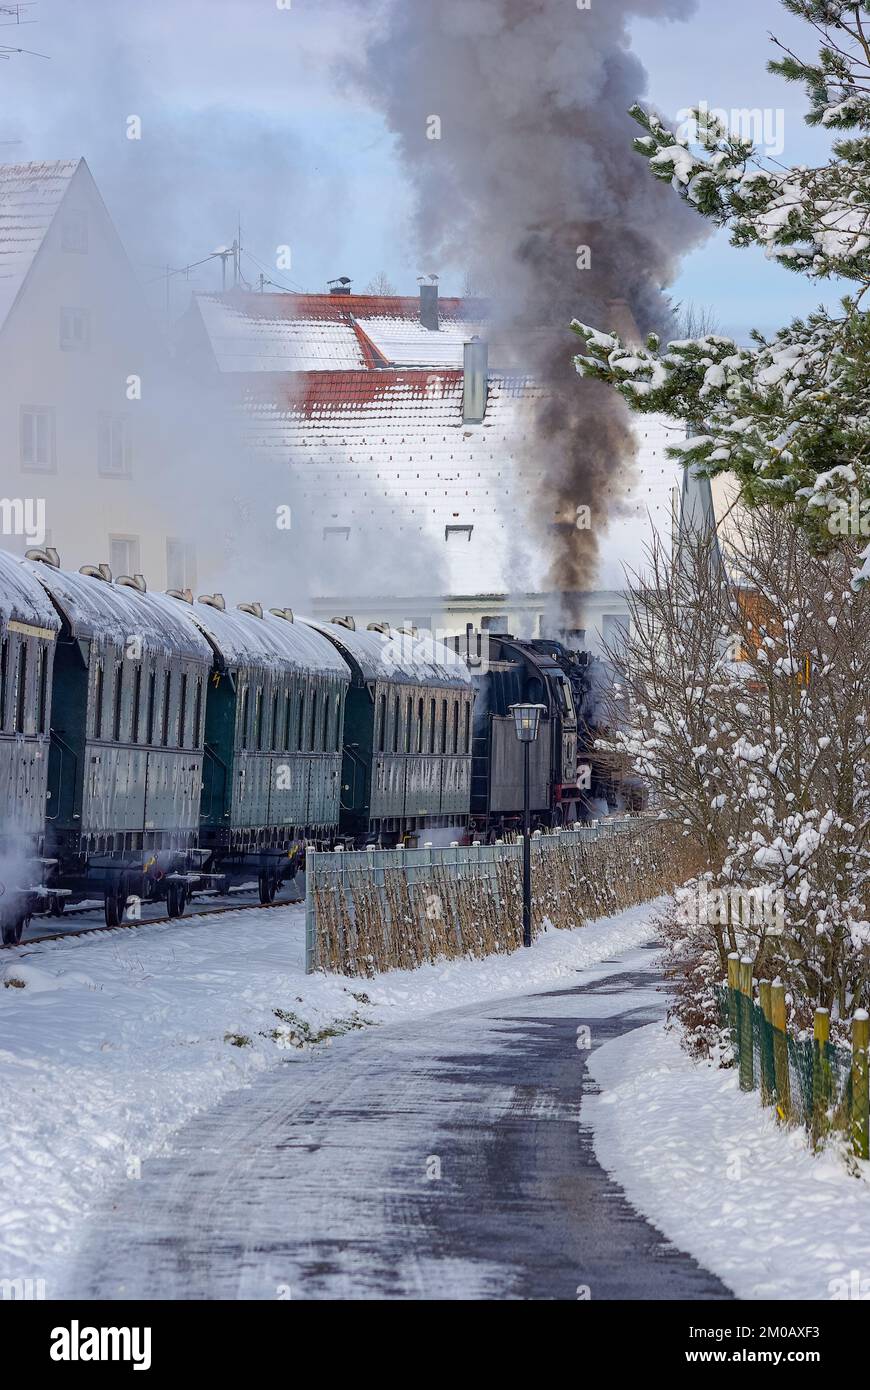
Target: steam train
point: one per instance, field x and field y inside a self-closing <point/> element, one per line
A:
<point x="153" y="744"/>
<point x="571" y="779"/>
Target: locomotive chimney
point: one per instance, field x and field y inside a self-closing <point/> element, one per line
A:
<point x="475" y="357"/>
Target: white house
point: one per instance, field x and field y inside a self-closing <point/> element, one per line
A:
<point x="83" y="382"/>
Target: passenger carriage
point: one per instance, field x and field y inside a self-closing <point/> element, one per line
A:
<point x="406" y="767"/>
<point x="28" y="633"/>
<point x="127" y="725"/>
<point x="273" y="735"/>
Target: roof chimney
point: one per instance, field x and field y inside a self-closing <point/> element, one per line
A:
<point x="340" y="285"/>
<point x="474" y="362"/>
<point x="429" y="304"/>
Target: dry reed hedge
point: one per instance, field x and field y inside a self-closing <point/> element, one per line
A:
<point x="362" y="928"/>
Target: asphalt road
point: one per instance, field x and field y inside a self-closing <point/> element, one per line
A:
<point x="445" y="1158"/>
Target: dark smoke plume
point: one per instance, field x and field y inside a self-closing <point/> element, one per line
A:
<point x="533" y="162"/>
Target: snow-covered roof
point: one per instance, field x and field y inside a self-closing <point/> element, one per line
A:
<point x="22" y="599"/>
<point x="30" y="195"/>
<point x="98" y="610"/>
<point x="404" y="342"/>
<point x="273" y="643"/>
<point x="385" y="458"/>
<point x="331" y="332"/>
<point x="402" y="657"/>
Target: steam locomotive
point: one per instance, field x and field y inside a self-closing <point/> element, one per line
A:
<point x="571" y="779"/>
<point x="153" y="744"/>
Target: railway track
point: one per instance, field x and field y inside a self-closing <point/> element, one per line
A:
<point x="23" y="946"/>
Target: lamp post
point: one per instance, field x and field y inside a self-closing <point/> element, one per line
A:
<point x="527" y="719"/>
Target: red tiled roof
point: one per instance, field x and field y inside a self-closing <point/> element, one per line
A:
<point x="337" y="308"/>
<point x="303" y="393"/>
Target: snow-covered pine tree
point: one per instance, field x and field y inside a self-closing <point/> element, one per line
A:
<point x="789" y="415"/>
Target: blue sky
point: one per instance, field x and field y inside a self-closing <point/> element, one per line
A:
<point x="243" y="113"/>
<point x="720" y="56"/>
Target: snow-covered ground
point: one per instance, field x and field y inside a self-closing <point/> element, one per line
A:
<point x="719" y="1177"/>
<point x="110" y="1042"/>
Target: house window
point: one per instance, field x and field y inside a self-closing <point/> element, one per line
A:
<point x="458" y="533"/>
<point x="180" y="564"/>
<point x="114" y="448"/>
<point x="37" y="439"/>
<point x="74" y="231"/>
<point x="124" y="555"/>
<point x="75" y="330"/>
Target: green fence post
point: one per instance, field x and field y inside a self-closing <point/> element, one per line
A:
<point x="768" y="1076"/>
<point x="860" y="1095"/>
<point x="747" y="1058"/>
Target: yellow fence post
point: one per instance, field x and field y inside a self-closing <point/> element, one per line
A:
<point x="780" y="1050"/>
<point x="860" y="1093"/>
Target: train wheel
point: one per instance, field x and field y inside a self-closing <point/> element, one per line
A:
<point x="56" y="906"/>
<point x="115" y="902"/>
<point x="176" y="899"/>
<point x="268" y="886"/>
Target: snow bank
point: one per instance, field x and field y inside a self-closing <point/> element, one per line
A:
<point x="721" y="1179"/>
<point x="109" y="1043"/>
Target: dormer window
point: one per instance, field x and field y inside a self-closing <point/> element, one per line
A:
<point x="458" y="533"/>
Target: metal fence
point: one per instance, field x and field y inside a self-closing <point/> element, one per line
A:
<point x="809" y="1081"/>
<point x="379" y="909"/>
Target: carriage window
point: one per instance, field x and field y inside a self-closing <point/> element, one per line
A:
<point x="4" y="663"/>
<point x="152" y="701"/>
<point x="431" y="726"/>
<point x="324" y="741"/>
<point x="300" y="723"/>
<point x="273" y="742"/>
<point x="258" y="719"/>
<point x="455" y="726"/>
<point x="137" y="700"/>
<point x="243" y="719"/>
<point x="182" y="711"/>
<point x="119" y="694"/>
<point x="167" y="706"/>
<point x="382" y="725"/>
<point x="312" y="742"/>
<point x="419" y="739"/>
<point x="42" y="689"/>
<point x="409" y="715"/>
<point x="22" y="686"/>
<point x="467" y="726"/>
<point x="99" y="680"/>
<point x="197" y="714"/>
<point x="288" y="718"/>
<point x="397" y="720"/>
<point x="443" y="726"/>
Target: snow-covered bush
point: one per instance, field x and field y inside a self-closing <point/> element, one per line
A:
<point x="748" y="684"/>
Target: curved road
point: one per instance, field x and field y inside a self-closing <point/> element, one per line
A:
<point x="436" y="1159"/>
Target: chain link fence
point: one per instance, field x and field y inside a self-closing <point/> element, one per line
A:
<point x="811" y="1082"/>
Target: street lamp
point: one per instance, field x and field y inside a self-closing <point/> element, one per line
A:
<point x="527" y="719"/>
